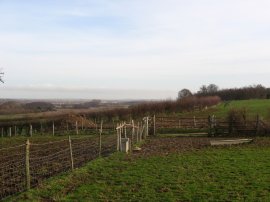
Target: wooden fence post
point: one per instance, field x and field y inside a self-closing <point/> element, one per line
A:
<point x="53" y="128"/>
<point x="120" y="136"/>
<point x="154" y="124"/>
<point x="100" y="132"/>
<point x="71" y="153"/>
<point x="9" y="131"/>
<point x="137" y="133"/>
<point x="125" y="128"/>
<point x="142" y="130"/>
<point x="117" y="143"/>
<point x="147" y="126"/>
<point x="82" y="123"/>
<point x="133" y="131"/>
<point x="194" y="121"/>
<point x="77" y="130"/>
<point x="31" y="130"/>
<point x="15" y="131"/>
<point x="2" y="132"/>
<point x="27" y="165"/>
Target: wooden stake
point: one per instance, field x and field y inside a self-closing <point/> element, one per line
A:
<point x="141" y="132"/>
<point x="154" y="123"/>
<point x="2" y="132"/>
<point x="27" y="165"/>
<point x="125" y="128"/>
<point x="100" y="132"/>
<point x="137" y="133"/>
<point x="71" y="153"/>
<point x="117" y="143"/>
<point x="31" y="130"/>
<point x="77" y="130"/>
<point x="120" y="137"/>
<point x="53" y="128"/>
<point x="15" y="131"/>
<point x="133" y="131"/>
<point x="9" y="132"/>
<point x="147" y="121"/>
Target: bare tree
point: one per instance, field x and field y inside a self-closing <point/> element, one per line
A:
<point x="184" y="93"/>
<point x="212" y="88"/>
<point x="1" y="76"/>
<point x="203" y="89"/>
<point x="208" y="90"/>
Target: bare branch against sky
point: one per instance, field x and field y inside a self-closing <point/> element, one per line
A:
<point x="1" y="76"/>
<point x="137" y="44"/>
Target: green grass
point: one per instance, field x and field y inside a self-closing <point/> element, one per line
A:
<point x="214" y="174"/>
<point x="253" y="107"/>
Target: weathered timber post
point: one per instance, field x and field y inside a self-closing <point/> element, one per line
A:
<point x="77" y="130"/>
<point x="27" y="165"/>
<point x="100" y="132"/>
<point x="15" y="131"/>
<point x="145" y="129"/>
<point x="117" y="137"/>
<point x="147" y="125"/>
<point x="154" y="124"/>
<point x="71" y="153"/>
<point x="120" y="136"/>
<point x="137" y="133"/>
<point x="142" y="130"/>
<point x="9" y="132"/>
<point x="133" y="130"/>
<point x="2" y="132"/>
<point x="31" y="130"/>
<point x="53" y="128"/>
<point x="125" y="128"/>
<point x="194" y="121"/>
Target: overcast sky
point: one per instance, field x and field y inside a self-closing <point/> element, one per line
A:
<point x="131" y="48"/>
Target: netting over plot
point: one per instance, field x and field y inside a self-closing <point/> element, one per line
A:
<point x="47" y="159"/>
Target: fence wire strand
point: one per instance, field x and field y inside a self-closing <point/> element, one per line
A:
<point x="47" y="159"/>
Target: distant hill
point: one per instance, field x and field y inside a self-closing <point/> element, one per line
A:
<point x="15" y="107"/>
<point x="39" y="106"/>
<point x="86" y="105"/>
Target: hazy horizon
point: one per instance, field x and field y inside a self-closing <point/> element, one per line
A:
<point x="141" y="49"/>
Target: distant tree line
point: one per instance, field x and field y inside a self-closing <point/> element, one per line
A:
<point x="244" y="93"/>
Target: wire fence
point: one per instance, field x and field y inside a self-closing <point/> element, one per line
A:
<point x="25" y="166"/>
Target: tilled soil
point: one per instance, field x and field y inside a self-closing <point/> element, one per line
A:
<point x="165" y="146"/>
